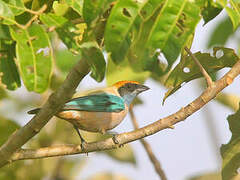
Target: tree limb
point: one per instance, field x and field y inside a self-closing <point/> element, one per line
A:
<point x="53" y="104"/>
<point x="124" y="138"/>
<point x="148" y="148"/>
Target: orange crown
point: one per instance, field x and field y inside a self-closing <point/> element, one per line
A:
<point x="121" y="83"/>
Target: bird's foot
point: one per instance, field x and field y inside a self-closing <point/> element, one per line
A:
<point x="114" y="138"/>
<point x="83" y="145"/>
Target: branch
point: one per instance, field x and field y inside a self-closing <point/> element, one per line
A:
<point x="203" y="71"/>
<point x="148" y="148"/>
<point x="124" y="138"/>
<point x="53" y="104"/>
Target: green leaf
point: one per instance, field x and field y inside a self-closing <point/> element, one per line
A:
<point x="6" y="14"/>
<point x="229" y="100"/>
<point x="60" y="8"/>
<point x="7" y="127"/>
<point x="124" y="154"/>
<point x="123" y="71"/>
<point x="119" y="24"/>
<point x="67" y="31"/>
<point x="53" y="20"/>
<point x="34" y="56"/>
<point x="187" y="70"/>
<point x="221" y="33"/>
<point x="95" y="59"/>
<point x="65" y="60"/>
<point x="93" y="10"/>
<point x="166" y="29"/>
<point x="210" y="11"/>
<point x="76" y="5"/>
<point x="233" y="9"/>
<point x="172" y="28"/>
<point x="231" y="152"/>
<point x="8" y="70"/>
<point x="17" y="6"/>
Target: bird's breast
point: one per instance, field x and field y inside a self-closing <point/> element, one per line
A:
<point x="93" y="121"/>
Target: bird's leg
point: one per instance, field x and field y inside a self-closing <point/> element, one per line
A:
<point x="82" y="140"/>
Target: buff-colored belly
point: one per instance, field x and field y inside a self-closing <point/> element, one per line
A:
<point x="93" y="121"/>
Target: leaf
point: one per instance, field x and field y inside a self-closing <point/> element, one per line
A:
<point x="221" y="33"/>
<point x="17" y="6"/>
<point x="119" y="24"/>
<point x="172" y="28"/>
<point x="230" y="152"/>
<point x="76" y="5"/>
<point x="6" y="14"/>
<point x="93" y="10"/>
<point x="123" y="71"/>
<point x="123" y="154"/>
<point x="8" y="70"/>
<point x="210" y="11"/>
<point x="207" y="176"/>
<point x="65" y="60"/>
<point x="60" y="8"/>
<point x="187" y="70"/>
<point x="233" y="9"/>
<point x="7" y="127"/>
<point x="107" y="176"/>
<point x="166" y="29"/>
<point x="70" y="34"/>
<point x="229" y="100"/>
<point x="95" y="59"/>
<point x="34" y="56"/>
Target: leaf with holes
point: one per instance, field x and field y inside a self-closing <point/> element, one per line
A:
<point x="6" y="14"/>
<point x="117" y="32"/>
<point x="34" y="56"/>
<point x="76" y="5"/>
<point x="94" y="9"/>
<point x="166" y="29"/>
<point x="8" y="69"/>
<point x="94" y="56"/>
<point x="230" y="152"/>
<point x="17" y="6"/>
<point x="187" y="70"/>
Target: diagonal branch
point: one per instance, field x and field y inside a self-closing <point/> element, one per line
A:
<point x="203" y="71"/>
<point x="148" y="149"/>
<point x="124" y="138"/>
<point x="53" y="104"/>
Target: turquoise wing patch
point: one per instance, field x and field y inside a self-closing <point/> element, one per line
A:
<point x="96" y="103"/>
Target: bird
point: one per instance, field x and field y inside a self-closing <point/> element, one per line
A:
<point x="100" y="110"/>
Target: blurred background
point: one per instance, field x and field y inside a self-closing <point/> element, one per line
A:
<point x="189" y="151"/>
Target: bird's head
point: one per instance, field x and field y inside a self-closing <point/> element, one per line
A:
<point x="128" y="90"/>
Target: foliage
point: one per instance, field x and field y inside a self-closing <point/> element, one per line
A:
<point x="120" y="40"/>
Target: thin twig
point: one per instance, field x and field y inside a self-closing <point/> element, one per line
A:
<point x="203" y="71"/>
<point x="40" y="11"/>
<point x="164" y="123"/>
<point x="148" y="148"/>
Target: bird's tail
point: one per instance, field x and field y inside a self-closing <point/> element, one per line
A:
<point x="34" y="111"/>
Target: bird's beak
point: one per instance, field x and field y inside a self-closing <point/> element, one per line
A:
<point x="141" y="88"/>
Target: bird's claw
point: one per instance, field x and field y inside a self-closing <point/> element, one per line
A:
<point x="83" y="144"/>
<point x="114" y="138"/>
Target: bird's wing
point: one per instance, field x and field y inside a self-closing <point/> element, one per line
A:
<point x="96" y="103"/>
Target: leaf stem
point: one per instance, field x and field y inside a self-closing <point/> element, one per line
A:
<point x="203" y="71"/>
